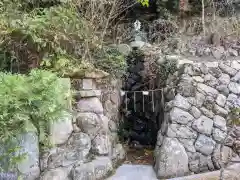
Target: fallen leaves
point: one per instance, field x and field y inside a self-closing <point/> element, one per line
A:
<point x="139" y="156"/>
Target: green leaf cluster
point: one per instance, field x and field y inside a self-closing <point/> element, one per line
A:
<point x="29" y="100"/>
<point x="167" y="68"/>
<point x="112" y="61"/>
<point x="50" y="31"/>
<point x="144" y="2"/>
<point x="10" y="158"/>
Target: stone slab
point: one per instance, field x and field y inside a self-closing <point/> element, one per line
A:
<point x="88" y="93"/>
<point x="97" y="169"/>
<point x="96" y="74"/>
<point x="231" y="172"/>
<point x="131" y="172"/>
<point x="88" y="84"/>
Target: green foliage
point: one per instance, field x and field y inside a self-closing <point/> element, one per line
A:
<point x="65" y="65"/>
<point x="167" y="68"/>
<point x="11" y="157"/>
<point x="5" y="58"/>
<point x="121" y="131"/>
<point x="166" y="7"/>
<point x="55" y="30"/>
<point x="32" y="31"/>
<point x="112" y="61"/>
<point x="29" y="100"/>
<point x="144" y="2"/>
<point x="27" y="103"/>
<point x="235" y="116"/>
<point x="135" y="55"/>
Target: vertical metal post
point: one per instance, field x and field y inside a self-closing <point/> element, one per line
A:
<point x="134" y="101"/>
<point x="126" y="103"/>
<point x="153" y="105"/>
<point x="143" y="103"/>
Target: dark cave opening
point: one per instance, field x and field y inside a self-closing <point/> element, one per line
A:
<point x="141" y="108"/>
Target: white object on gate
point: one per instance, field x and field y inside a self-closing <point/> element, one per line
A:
<point x="122" y="93"/>
<point x="145" y="93"/>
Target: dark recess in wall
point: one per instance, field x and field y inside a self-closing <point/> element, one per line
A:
<point x="141" y="114"/>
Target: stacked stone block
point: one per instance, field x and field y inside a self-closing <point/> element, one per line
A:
<point x="87" y="147"/>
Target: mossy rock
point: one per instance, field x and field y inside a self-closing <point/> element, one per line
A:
<point x="91" y="73"/>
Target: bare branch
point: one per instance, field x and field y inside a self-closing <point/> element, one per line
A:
<point x="203" y="19"/>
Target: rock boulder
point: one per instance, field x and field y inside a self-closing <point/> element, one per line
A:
<point x="171" y="159"/>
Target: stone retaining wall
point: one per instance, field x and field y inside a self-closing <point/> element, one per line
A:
<point x="86" y="145"/>
<point x="200" y="97"/>
<point x="231" y="172"/>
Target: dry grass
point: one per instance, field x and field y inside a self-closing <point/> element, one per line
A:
<point x="104" y="16"/>
<point x="217" y="17"/>
<point x="228" y="26"/>
<point x="211" y="21"/>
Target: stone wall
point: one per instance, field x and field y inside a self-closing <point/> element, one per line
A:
<point x="108" y="91"/>
<point x="84" y="139"/>
<point x="199" y="99"/>
<point x="110" y="98"/>
<point x="86" y="146"/>
<point x="26" y="145"/>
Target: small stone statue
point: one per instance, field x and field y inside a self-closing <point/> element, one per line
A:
<point x="139" y="36"/>
<point x="137" y="25"/>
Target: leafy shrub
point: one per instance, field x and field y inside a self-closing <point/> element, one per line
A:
<point x="161" y="30"/>
<point x="47" y="32"/>
<point x="165" y="69"/>
<point x="29" y="100"/>
<point x="112" y="61"/>
<point x="32" y="31"/>
<point x="235" y="116"/>
<point x="164" y="7"/>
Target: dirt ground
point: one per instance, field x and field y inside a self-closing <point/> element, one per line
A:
<point x="139" y="155"/>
